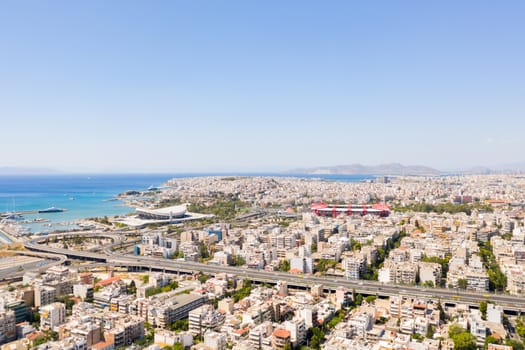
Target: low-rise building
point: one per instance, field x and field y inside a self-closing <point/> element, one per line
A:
<point x="280" y="338"/>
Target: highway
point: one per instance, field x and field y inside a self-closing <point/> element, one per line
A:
<point x="50" y="259"/>
<point x="508" y="302"/>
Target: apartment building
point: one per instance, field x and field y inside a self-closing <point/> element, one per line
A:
<point x="7" y="326"/>
<point x="52" y="315"/>
<point x="280" y="338"/>
<point x="205" y="318"/>
<point x="44" y="295"/>
<point x="354" y="266"/>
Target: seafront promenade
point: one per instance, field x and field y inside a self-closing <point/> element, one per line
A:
<point x="7" y="234"/>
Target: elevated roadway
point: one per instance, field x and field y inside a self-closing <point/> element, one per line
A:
<point x="508" y="302"/>
<point x="35" y="245"/>
<point x="16" y="273"/>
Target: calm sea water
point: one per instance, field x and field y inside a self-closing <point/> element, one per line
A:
<point x="87" y="196"/>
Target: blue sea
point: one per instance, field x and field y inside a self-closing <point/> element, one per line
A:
<point x="85" y="196"/>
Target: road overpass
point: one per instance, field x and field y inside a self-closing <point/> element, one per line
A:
<point x="35" y="245"/>
<point x="508" y="302"/>
<point x="50" y="259"/>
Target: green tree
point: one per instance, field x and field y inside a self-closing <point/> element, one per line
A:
<point x="238" y="260"/>
<point x="516" y="344"/>
<point x="497" y="279"/>
<point x="483" y="309"/>
<point x="53" y="335"/>
<point x="442" y="314"/>
<point x="35" y="319"/>
<point x="462" y="283"/>
<point x="145" y="279"/>
<point x="454" y="330"/>
<point x="464" y="341"/>
<point x="179" y="325"/>
<point x="203" y="250"/>
<point x="520" y="327"/>
<point x="132" y="288"/>
<point x="178" y="346"/>
<point x="417" y="336"/>
<point x="430" y="332"/>
<point x="428" y="284"/>
<point x="440" y="208"/>
<point x="370" y="299"/>
<point x="324" y="264"/>
<point x="354" y="245"/>
<point x="284" y="265"/>
<point x="316" y="336"/>
<point x="490" y="340"/>
<point x="177" y="254"/>
<point x="203" y="277"/>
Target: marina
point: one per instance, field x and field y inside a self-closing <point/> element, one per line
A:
<point x="35" y="211"/>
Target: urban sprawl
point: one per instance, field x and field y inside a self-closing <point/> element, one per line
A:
<point x="421" y="263"/>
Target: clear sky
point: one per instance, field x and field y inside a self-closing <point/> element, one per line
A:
<point x="178" y="86"/>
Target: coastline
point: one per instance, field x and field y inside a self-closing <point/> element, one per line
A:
<point x="97" y="196"/>
<point x="6" y="237"/>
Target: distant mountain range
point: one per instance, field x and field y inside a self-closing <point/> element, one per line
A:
<point x="382" y="169"/>
<point x="396" y="169"/>
<point x="393" y="169"/>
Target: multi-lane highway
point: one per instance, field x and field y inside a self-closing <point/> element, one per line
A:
<point x="508" y="302"/>
<point x="16" y="272"/>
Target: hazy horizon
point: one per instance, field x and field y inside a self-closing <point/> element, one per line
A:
<point x="236" y="86"/>
<point x="22" y="171"/>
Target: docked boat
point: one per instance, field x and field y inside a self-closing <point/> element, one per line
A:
<point x="51" y="210"/>
<point x="13" y="217"/>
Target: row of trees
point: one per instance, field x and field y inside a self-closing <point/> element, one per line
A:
<point x="242" y="292"/>
<point x="223" y="209"/>
<point x="322" y="265"/>
<point x="497" y="279"/>
<point x="441" y="208"/>
<point x="165" y="289"/>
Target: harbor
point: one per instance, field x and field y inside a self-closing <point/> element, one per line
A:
<point x="34" y="211"/>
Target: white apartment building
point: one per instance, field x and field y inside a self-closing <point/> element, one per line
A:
<point x="429" y="272"/>
<point x="354" y="266"/>
<point x="360" y="325"/>
<point x="44" y="295"/>
<point x="204" y="318"/>
<point x="52" y="315"/>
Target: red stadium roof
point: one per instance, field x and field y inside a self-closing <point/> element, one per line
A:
<point x="319" y="205"/>
<point x="381" y="206"/>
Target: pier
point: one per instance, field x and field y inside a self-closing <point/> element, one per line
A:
<point x="32" y="211"/>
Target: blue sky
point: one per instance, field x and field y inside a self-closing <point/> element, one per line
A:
<point x="242" y="85"/>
